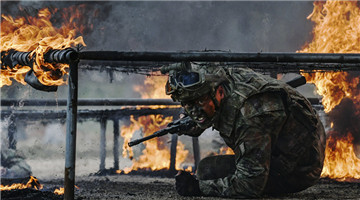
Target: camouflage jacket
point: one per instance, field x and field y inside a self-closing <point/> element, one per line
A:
<point x="275" y="134"/>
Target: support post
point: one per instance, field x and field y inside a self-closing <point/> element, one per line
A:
<point x="12" y="132"/>
<point x="71" y="120"/>
<point x="273" y="74"/>
<point x="116" y="143"/>
<point x="196" y="149"/>
<point x="102" y="143"/>
<point x="174" y="140"/>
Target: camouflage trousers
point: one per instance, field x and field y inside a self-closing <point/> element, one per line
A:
<point x="214" y="167"/>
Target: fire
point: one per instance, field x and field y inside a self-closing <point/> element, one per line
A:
<point x="37" y="35"/>
<point x="154" y="87"/>
<point x="59" y="191"/>
<point x="336" y="31"/>
<point x="32" y="183"/>
<point x="226" y="151"/>
<point x="156" y="155"/>
<point x="341" y="162"/>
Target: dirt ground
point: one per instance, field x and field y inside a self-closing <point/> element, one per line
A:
<point x="140" y="187"/>
<point x="145" y="187"/>
<point x="47" y="163"/>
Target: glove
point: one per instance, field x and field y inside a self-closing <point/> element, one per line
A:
<point x="187" y="184"/>
<point x="186" y="126"/>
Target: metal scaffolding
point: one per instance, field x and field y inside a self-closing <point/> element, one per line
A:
<point x="282" y="62"/>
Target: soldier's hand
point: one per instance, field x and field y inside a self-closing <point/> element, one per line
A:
<point x="187" y="184"/>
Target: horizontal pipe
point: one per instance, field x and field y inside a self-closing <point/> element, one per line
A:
<point x="285" y="62"/>
<point x="69" y="55"/>
<point x="221" y="57"/>
<point x="100" y="102"/>
<point x="13" y="57"/>
<point x="83" y="115"/>
<point x="87" y="102"/>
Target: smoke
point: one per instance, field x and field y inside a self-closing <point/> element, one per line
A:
<point x="173" y="26"/>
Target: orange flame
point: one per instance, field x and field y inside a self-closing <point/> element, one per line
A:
<point x="341" y="162"/>
<point x="32" y="183"/>
<point x="336" y="31"/>
<point x="38" y="35"/>
<point x="59" y="191"/>
<point x="156" y="154"/>
<point x="226" y="151"/>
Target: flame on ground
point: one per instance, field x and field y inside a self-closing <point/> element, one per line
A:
<point x="38" y="35"/>
<point x="336" y="30"/>
<point x="32" y="183"/>
<point x="59" y="191"/>
<point x="341" y="162"/>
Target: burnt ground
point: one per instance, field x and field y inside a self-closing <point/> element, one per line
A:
<point x="145" y="187"/>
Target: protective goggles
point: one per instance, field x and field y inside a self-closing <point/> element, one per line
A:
<point x="184" y="80"/>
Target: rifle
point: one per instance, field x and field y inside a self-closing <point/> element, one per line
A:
<point x="176" y="126"/>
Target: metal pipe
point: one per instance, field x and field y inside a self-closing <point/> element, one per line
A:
<point x="116" y="143"/>
<point x="282" y="62"/>
<point x="21" y="58"/>
<point x="174" y="140"/>
<point x="87" y="102"/>
<point x="196" y="149"/>
<point x="70" y="55"/>
<point x="221" y="57"/>
<point x="12" y="132"/>
<point x="71" y="122"/>
<point x="50" y="115"/>
<point x="102" y="143"/>
<point x="297" y="82"/>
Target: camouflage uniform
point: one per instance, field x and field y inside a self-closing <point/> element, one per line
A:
<point x="13" y="165"/>
<point x="276" y="135"/>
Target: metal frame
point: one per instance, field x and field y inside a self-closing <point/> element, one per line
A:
<point x="299" y="61"/>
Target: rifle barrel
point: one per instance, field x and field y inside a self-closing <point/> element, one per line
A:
<point x="156" y="134"/>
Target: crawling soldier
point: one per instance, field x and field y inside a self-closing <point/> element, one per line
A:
<point x="276" y="135"/>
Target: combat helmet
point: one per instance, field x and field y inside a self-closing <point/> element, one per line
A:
<point x="189" y="80"/>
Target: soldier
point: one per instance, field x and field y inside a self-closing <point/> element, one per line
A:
<point x="276" y="135"/>
<point x="13" y="165"/>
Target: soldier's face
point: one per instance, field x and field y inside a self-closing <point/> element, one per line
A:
<point x="202" y="110"/>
